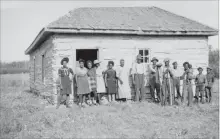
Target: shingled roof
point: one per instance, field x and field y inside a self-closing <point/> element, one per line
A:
<point x="127" y="19"/>
<point x="122" y="20"/>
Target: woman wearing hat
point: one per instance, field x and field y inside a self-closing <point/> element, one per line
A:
<point x="65" y="82"/>
<point x="82" y="83"/>
<point x="99" y="79"/>
<point x="111" y="81"/>
<point x="92" y="81"/>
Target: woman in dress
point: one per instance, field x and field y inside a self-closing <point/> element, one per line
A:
<point x="99" y="80"/>
<point x="124" y="90"/>
<point x="82" y="83"/>
<point x="92" y="82"/>
<point x="110" y="82"/>
<point x="64" y="83"/>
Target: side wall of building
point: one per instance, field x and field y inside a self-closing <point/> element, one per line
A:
<point x="41" y="61"/>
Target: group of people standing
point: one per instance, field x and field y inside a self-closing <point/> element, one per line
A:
<point x="165" y="83"/>
<point x="92" y="82"/>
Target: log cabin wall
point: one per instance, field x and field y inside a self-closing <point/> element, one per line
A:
<point x="114" y="47"/>
<point x="41" y="61"/>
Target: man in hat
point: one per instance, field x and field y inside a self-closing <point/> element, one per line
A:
<point x="200" y="82"/>
<point x="155" y="77"/>
<point x="210" y="80"/>
<point x="138" y="78"/>
<point x="176" y="80"/>
<point x="167" y="83"/>
<point x="65" y="83"/>
<point x="187" y="84"/>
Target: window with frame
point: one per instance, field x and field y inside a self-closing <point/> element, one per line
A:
<point x="145" y="55"/>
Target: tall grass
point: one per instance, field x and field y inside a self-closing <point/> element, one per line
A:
<point x="24" y="115"/>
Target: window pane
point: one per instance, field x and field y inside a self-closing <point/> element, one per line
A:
<point x="141" y="52"/>
<point x="146" y="59"/>
<point x="142" y="60"/>
<point x="146" y="52"/>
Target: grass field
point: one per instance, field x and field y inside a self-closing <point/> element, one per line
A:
<point x="24" y="115"/>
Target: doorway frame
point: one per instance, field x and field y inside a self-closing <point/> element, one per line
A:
<point x="88" y="48"/>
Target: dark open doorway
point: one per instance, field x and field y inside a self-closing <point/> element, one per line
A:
<point x="86" y="54"/>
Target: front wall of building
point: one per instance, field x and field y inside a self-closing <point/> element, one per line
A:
<point x="180" y="49"/>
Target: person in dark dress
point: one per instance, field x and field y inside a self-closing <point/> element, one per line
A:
<point x="111" y="82"/>
<point x="65" y="83"/>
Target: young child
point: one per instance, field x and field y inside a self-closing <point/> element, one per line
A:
<point x="200" y="82"/>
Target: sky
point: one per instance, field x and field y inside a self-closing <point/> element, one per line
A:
<point x="21" y="21"/>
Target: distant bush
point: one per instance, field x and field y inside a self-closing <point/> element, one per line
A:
<point x="13" y="71"/>
<point x="14" y="67"/>
<point x="214" y="61"/>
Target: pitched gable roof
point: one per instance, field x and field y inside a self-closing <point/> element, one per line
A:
<point x="122" y="20"/>
<point x="127" y="19"/>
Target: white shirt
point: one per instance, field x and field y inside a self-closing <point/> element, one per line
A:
<point x="137" y="68"/>
<point x="176" y="72"/>
<point x="164" y="70"/>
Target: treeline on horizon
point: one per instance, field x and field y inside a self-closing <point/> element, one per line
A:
<point x="14" y="67"/>
<point x="23" y="66"/>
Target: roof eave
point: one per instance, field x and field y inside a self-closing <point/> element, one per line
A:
<point x="40" y="37"/>
<point x="134" y="32"/>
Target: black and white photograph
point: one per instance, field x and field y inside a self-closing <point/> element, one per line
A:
<point x="109" y="69"/>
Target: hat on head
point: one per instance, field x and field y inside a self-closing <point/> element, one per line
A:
<point x="166" y="59"/>
<point x="154" y="58"/>
<point x="209" y="68"/>
<point x="159" y="64"/>
<point x="185" y="63"/>
<point x="64" y="59"/>
<point x="199" y="68"/>
<point x="97" y="61"/>
<point x="139" y="56"/>
<point x="174" y="62"/>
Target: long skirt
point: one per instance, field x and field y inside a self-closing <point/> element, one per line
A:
<point x="100" y="85"/>
<point x="92" y="84"/>
<point x="82" y="85"/>
<point x="112" y="87"/>
<point x="124" y="90"/>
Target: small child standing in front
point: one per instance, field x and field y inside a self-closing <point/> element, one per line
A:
<point x="200" y="85"/>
